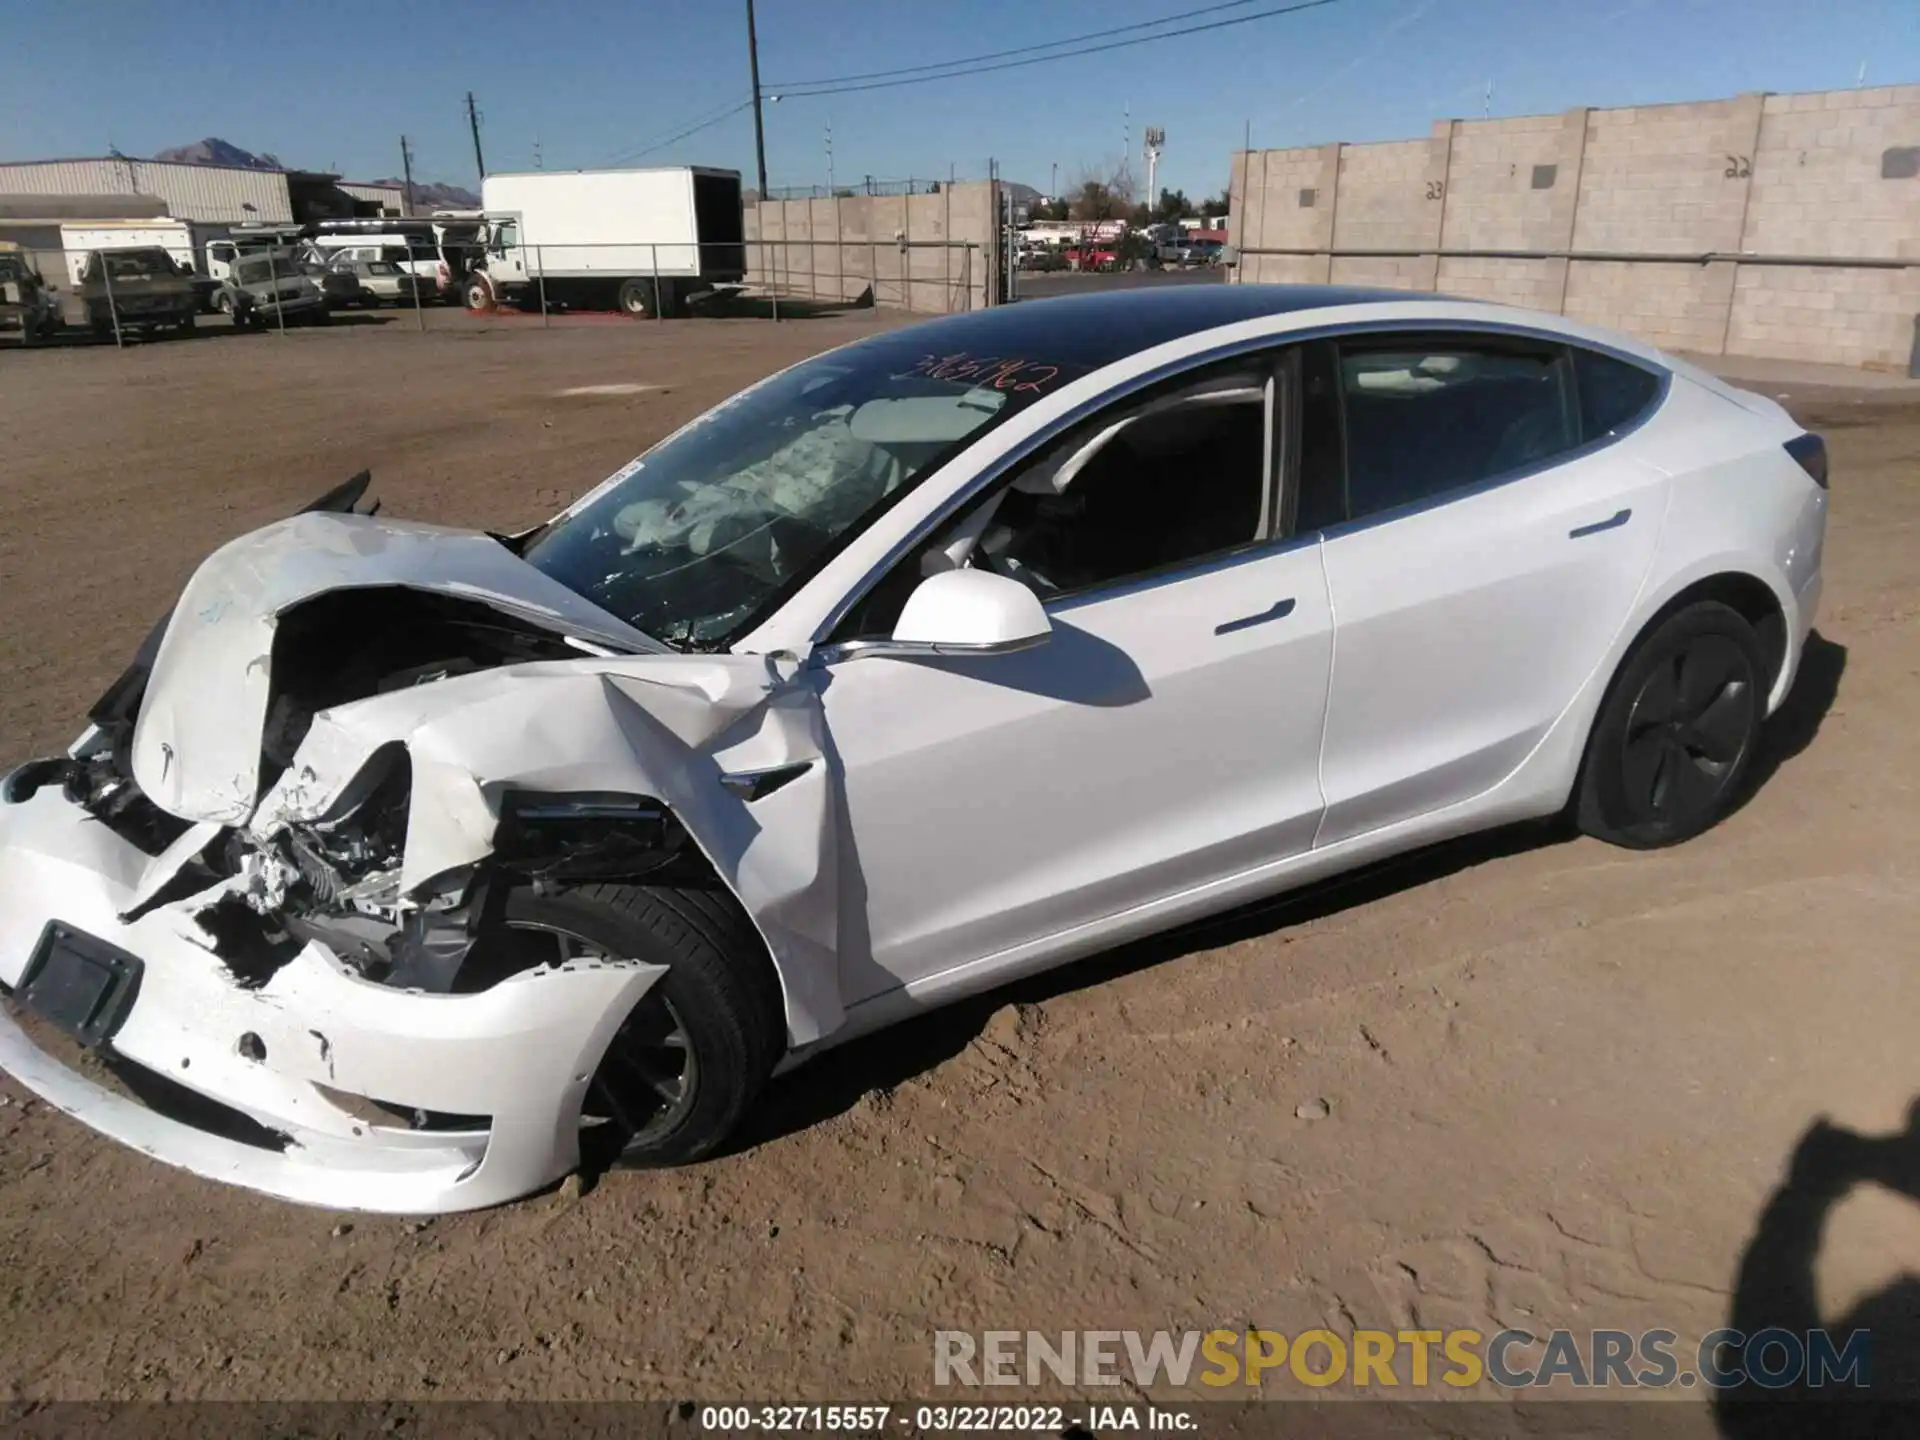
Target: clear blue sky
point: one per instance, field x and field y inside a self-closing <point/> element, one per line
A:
<point x="335" y="85"/>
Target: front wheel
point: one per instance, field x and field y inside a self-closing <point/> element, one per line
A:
<point x="478" y="294"/>
<point x="697" y="1048"/>
<point x="1677" y="734"/>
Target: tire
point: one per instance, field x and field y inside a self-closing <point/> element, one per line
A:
<point x="479" y="295"/>
<point x="223" y="302"/>
<point x="639" y="299"/>
<point x="719" y="993"/>
<point x="189" y="325"/>
<point x="1676" y="736"/>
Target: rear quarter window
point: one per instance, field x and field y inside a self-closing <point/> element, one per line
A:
<point x="1614" y="394"/>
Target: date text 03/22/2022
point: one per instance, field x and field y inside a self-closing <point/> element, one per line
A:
<point x="1045" y="1419"/>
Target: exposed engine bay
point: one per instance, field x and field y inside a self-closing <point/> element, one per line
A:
<point x="336" y="878"/>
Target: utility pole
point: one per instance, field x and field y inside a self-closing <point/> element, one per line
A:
<point x="1156" y="139"/>
<point x="473" y="124"/>
<point x="406" y="169"/>
<point x="829" y="158"/>
<point x="759" y="126"/>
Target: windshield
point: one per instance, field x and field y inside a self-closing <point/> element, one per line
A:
<point x="693" y="541"/>
<point x="133" y="264"/>
<point x="264" y="270"/>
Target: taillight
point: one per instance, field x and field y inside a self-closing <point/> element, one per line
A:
<point x="1811" y="453"/>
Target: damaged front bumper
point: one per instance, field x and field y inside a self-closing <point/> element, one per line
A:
<point x="324" y="1087"/>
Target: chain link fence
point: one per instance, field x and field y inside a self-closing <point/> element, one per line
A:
<point x="118" y="296"/>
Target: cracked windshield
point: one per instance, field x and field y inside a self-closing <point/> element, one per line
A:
<point x="690" y="541"/>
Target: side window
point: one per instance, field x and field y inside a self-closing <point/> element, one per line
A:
<point x="1163" y="480"/>
<point x="1424" y="416"/>
<point x="1613" y="393"/>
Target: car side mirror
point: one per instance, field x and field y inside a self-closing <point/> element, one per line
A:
<point x="960" y="612"/>
<point x="971" y="612"/>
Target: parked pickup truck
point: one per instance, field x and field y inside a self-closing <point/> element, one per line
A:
<point x="140" y="290"/>
<point x="24" y="301"/>
<point x="267" y="286"/>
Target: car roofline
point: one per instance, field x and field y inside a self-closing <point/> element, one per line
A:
<point x="815" y="607"/>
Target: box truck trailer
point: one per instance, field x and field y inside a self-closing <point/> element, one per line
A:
<point x="186" y="243"/>
<point x="183" y="240"/>
<point x="643" y="241"/>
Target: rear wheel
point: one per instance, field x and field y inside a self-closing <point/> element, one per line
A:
<point x="639" y="298"/>
<point x="223" y="302"/>
<point x="1678" y="731"/>
<point x="687" y="1062"/>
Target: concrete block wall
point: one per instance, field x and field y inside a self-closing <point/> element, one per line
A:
<point x="1291" y="204"/>
<point x="1819" y="175"/>
<point x="1666" y="177"/>
<point x="837" y="249"/>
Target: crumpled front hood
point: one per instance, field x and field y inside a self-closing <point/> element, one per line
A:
<point x="197" y="744"/>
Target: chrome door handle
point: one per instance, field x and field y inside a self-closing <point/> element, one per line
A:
<point x="1612" y="522"/>
<point x="1278" y="611"/>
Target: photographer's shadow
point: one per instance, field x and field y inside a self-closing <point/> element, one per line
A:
<point x="1777" y="1288"/>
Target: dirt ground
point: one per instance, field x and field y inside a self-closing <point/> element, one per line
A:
<point x="1560" y="1080"/>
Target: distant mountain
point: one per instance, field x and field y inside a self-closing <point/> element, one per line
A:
<point x="433" y="194"/>
<point x="215" y="151"/>
<point x="427" y="194"/>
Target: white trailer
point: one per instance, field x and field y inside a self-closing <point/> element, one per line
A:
<point x="642" y="240"/>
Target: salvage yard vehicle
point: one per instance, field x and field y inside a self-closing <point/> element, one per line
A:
<point x="264" y="287"/>
<point x="381" y="282"/>
<point x="141" y="290"/>
<point x="647" y="242"/>
<point x="25" y="303"/>
<point x="338" y="288"/>
<point x="408" y="866"/>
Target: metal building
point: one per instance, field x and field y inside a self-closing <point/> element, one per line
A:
<point x="376" y="199"/>
<point x="216" y="194"/>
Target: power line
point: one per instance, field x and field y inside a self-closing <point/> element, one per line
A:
<point x="1018" y="49"/>
<point x="838" y="89"/>
<point x="691" y="128"/>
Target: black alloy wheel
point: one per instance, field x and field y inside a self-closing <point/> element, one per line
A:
<point x="1677" y="733"/>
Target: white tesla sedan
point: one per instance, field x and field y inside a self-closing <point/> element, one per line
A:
<point x="406" y="863"/>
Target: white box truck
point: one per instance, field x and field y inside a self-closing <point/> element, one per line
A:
<point x="644" y="241"/>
